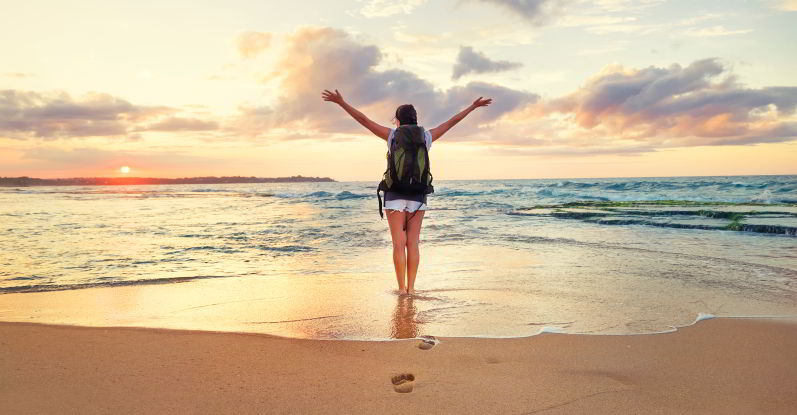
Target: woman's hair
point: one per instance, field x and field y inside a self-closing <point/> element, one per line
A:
<point x="406" y="114"/>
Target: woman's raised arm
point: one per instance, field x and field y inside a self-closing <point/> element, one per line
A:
<point x="379" y="130"/>
<point x="441" y="129"/>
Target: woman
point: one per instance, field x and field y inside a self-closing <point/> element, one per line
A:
<point x="404" y="212"/>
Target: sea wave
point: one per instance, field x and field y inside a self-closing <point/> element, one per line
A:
<point x="97" y="284"/>
<point x="118" y="232"/>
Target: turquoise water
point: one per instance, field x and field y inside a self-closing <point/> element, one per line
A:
<point x="503" y="257"/>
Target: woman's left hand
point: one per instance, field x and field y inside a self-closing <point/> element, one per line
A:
<point x="332" y="96"/>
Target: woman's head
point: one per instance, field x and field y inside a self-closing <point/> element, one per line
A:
<point x="405" y="114"/>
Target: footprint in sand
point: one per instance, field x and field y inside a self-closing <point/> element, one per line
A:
<point x="427" y="342"/>
<point x="403" y="383"/>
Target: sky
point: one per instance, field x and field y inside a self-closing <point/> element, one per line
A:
<point x="606" y="88"/>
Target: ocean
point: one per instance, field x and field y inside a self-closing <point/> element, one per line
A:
<point x="499" y="258"/>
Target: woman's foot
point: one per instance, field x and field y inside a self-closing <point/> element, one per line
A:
<point x="402" y="291"/>
<point x="410" y="291"/>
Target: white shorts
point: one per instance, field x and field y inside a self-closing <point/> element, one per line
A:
<point x="406" y="205"/>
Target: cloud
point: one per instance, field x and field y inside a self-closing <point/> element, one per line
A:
<point x="50" y="115"/>
<point x="470" y="61"/>
<point x="639" y="29"/>
<point x="588" y="20"/>
<point x="250" y="43"/>
<point x="536" y="12"/>
<point x="593" y="16"/>
<point x="603" y="17"/>
<point x="318" y="58"/>
<point x="597" y="16"/>
<point x="715" y="31"/>
<point x="679" y="106"/>
<point x="57" y="115"/>
<point x="18" y="75"/>
<point x="786" y="5"/>
<point x="619" y="110"/>
<point x="605" y="48"/>
<point x="383" y="8"/>
<point x="180" y="124"/>
<point x="699" y="19"/>
<point x="570" y="151"/>
<point x="48" y="157"/>
<point x="615" y="6"/>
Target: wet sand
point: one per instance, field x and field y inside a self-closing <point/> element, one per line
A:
<point x="715" y="366"/>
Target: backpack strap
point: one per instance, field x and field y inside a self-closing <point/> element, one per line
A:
<point x="416" y="141"/>
<point x="381" y="215"/>
<point x="381" y="188"/>
<point x="426" y="171"/>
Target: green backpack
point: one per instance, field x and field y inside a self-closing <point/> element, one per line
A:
<point x="407" y="164"/>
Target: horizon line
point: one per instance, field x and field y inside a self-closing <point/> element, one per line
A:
<point x="368" y="180"/>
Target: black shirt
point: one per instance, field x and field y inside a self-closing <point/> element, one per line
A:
<point x="416" y="197"/>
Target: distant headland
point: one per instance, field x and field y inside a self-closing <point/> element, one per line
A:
<point x="108" y="181"/>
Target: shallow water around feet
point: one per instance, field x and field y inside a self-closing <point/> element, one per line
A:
<point x="313" y="260"/>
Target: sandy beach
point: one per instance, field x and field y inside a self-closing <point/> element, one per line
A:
<point x="715" y="366"/>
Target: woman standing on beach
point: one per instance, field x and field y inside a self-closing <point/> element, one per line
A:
<point x="404" y="212"/>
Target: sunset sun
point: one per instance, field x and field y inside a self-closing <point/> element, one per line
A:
<point x="124" y="169"/>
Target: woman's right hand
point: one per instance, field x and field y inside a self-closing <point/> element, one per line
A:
<point x="481" y="102"/>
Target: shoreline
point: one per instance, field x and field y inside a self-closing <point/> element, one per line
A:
<point x="312" y="307"/>
<point x="721" y="365"/>
<point x="777" y="319"/>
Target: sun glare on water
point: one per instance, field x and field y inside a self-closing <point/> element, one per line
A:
<point x="124" y="169"/>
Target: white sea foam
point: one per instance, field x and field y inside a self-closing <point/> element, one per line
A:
<point x="704" y="316"/>
<point x="559" y="330"/>
<point x="552" y="329"/>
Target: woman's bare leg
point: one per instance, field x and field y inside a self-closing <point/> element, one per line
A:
<point x="395" y="219"/>
<point x="413" y="251"/>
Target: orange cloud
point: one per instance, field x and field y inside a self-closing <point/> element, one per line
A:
<point x="619" y="110"/>
<point x="680" y="106"/>
<point x="250" y="44"/>
<point x="57" y="115"/>
<point x="318" y="58"/>
<point x="180" y="124"/>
